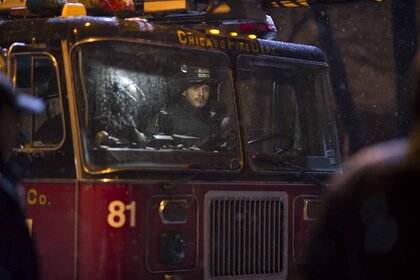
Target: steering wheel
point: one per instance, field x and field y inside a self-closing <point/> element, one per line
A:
<point x="289" y="141"/>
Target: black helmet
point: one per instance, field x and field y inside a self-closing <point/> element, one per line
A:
<point x="48" y="89"/>
<point x="46" y="94"/>
<point x="197" y="74"/>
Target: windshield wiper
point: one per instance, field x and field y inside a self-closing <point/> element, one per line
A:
<point x="278" y="159"/>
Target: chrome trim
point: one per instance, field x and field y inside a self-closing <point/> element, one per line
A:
<point x="162" y="205"/>
<point x="246" y="209"/>
<point x="306" y="203"/>
<point x="186" y="179"/>
<point x="72" y="108"/>
<point x="287" y="59"/>
<point x="3" y="60"/>
<point x="8" y="57"/>
<point x="81" y="159"/>
<point x="293" y="219"/>
<point x="38" y="55"/>
<point x="49" y="180"/>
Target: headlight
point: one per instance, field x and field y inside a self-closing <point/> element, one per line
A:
<point x="173" y="211"/>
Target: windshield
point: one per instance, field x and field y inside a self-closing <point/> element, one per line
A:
<point x="152" y="106"/>
<point x="286" y="114"/>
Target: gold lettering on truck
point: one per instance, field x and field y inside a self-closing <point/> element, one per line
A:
<point x="33" y="197"/>
<point x="252" y="46"/>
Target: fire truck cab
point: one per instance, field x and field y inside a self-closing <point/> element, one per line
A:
<point x="118" y="184"/>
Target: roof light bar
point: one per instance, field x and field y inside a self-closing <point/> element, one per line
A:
<point x="289" y="3"/>
<point x="150" y="6"/>
<point x="73" y="10"/>
<point x="10" y="4"/>
<point x="307" y="3"/>
<point x="110" y="5"/>
<point x="214" y="31"/>
<point x="235" y="10"/>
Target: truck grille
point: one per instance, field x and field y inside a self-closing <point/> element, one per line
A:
<point x="246" y="234"/>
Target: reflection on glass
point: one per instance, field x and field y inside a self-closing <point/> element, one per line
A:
<point x="287" y="119"/>
<point x="37" y="75"/>
<point x="144" y="106"/>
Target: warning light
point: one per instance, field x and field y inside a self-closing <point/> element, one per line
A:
<point x="113" y="5"/>
<point x="73" y="9"/>
<point x="150" y="6"/>
<point x="214" y="31"/>
<point x="289" y="3"/>
<point x="265" y="29"/>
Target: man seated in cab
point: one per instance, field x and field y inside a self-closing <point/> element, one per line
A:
<point x="195" y="119"/>
<point x="51" y="131"/>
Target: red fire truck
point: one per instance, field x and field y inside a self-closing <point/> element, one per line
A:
<point x="118" y="187"/>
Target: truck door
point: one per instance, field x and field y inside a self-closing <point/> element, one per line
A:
<point x="45" y="153"/>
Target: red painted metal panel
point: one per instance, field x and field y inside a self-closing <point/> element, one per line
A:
<point x="111" y="232"/>
<point x="50" y="209"/>
<point x="119" y="227"/>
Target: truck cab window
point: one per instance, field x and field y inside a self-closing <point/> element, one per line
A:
<point x="287" y="120"/>
<point x="154" y="107"/>
<point x="37" y="75"/>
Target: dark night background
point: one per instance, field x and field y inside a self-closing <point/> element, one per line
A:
<point x="369" y="46"/>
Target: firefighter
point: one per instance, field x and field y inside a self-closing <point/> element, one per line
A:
<point x="51" y="131"/>
<point x="18" y="258"/>
<point x="196" y="113"/>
